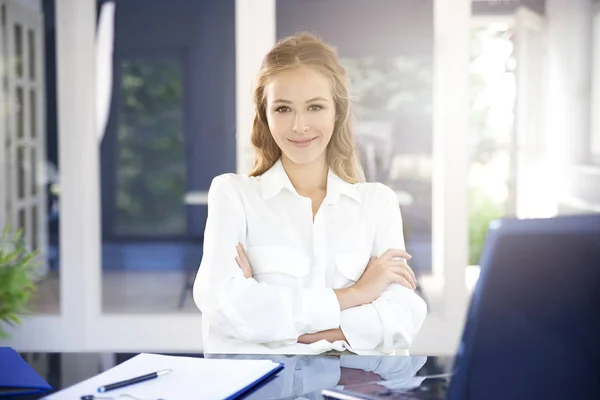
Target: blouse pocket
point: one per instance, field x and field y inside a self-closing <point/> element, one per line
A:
<point x="349" y="268"/>
<point x="278" y="265"/>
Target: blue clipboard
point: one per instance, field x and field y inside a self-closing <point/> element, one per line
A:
<point x="256" y="383"/>
<point x="17" y="378"/>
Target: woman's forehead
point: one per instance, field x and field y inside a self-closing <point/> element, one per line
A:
<point x="298" y="85"/>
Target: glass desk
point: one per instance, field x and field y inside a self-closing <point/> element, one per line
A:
<point x="303" y="377"/>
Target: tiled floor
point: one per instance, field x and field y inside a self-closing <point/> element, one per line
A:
<point x="125" y="292"/>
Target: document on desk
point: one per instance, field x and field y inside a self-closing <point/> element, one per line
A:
<point x="191" y="378"/>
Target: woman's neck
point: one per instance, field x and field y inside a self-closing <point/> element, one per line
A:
<point x="307" y="178"/>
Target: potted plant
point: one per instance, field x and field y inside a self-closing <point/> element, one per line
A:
<point x="17" y="276"/>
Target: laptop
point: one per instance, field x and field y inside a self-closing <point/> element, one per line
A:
<point x="533" y="325"/>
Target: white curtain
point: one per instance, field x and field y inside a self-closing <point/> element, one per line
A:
<point x="104" y="62"/>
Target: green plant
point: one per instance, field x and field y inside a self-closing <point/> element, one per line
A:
<point x="17" y="273"/>
<point x="482" y="210"/>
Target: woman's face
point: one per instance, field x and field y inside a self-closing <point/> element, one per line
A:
<point x="300" y="113"/>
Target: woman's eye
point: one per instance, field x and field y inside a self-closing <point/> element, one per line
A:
<point x="282" y="109"/>
<point x="315" y="107"/>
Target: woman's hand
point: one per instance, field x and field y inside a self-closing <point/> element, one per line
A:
<point x="390" y="268"/>
<point x="243" y="262"/>
<point x="331" y="335"/>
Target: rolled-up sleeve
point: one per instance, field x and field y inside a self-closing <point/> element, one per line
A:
<point x="244" y="308"/>
<point x="392" y="321"/>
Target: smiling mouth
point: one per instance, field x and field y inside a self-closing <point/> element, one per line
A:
<point x="306" y="141"/>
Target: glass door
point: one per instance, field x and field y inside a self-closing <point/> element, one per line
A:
<point x="149" y="153"/>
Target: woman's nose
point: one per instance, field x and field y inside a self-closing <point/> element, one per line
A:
<point x="299" y="123"/>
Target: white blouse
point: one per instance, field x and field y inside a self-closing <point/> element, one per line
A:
<point x="296" y="264"/>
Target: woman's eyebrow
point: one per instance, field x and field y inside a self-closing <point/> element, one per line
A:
<point x="318" y="98"/>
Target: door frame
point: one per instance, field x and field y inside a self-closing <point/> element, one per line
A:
<point x="33" y="205"/>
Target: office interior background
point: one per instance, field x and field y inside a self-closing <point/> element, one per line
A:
<point x="116" y="115"/>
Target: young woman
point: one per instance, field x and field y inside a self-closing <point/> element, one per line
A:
<point x="301" y="256"/>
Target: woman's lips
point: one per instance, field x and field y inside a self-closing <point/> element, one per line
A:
<point x="302" y="143"/>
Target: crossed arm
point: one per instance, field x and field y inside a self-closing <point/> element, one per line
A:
<point x="381" y="311"/>
<point x="379" y="273"/>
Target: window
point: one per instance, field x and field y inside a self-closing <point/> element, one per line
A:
<point x="595" y="126"/>
<point x="151" y="151"/>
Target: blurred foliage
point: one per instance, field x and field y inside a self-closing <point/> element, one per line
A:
<point x="17" y="273"/>
<point x="151" y="149"/>
<point x="484" y="139"/>
<point x="482" y="210"/>
<point x="383" y="86"/>
<point x="397" y="89"/>
<point x="486" y="142"/>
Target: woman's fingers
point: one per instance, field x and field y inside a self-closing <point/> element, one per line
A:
<point x="404" y="272"/>
<point x="403" y="264"/>
<point x="246" y="270"/>
<point x="403" y="281"/>
<point x="413" y="274"/>
<point x="396" y="253"/>
<point x="242" y="261"/>
<point x="242" y="253"/>
<point x="394" y="263"/>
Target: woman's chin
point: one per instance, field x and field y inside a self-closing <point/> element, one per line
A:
<point x="303" y="157"/>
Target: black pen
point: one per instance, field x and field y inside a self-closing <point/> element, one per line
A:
<point x="133" y="381"/>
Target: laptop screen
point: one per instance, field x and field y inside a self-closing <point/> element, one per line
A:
<point x="533" y="325"/>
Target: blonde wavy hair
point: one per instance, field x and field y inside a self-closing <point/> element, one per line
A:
<point x="305" y="49"/>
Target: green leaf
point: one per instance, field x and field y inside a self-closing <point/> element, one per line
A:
<point x="17" y="271"/>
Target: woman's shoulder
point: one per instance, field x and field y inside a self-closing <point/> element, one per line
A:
<point x="230" y="178"/>
<point x="374" y="191"/>
<point x="233" y="182"/>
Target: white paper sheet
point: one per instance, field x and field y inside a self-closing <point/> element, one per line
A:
<point x="191" y="378"/>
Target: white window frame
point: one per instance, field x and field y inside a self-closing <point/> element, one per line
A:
<point x="531" y="141"/>
<point x="443" y="326"/>
<point x="3" y="133"/>
<point x="595" y="101"/>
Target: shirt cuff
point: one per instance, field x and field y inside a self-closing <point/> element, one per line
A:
<point x="321" y="310"/>
<point x="362" y="327"/>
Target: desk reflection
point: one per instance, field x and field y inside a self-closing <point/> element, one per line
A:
<point x="306" y="376"/>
